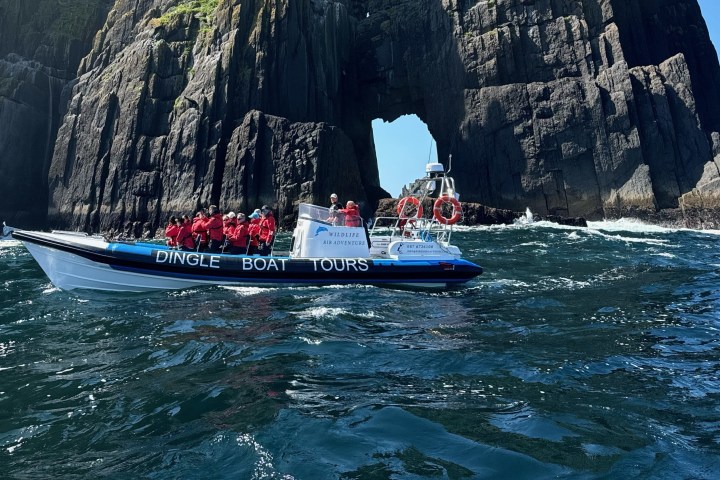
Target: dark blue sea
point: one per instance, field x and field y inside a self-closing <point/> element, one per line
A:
<point x="579" y="353"/>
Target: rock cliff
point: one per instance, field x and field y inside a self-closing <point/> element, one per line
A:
<point x="571" y="107"/>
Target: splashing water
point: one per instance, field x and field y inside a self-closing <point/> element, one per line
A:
<point x="526" y="219"/>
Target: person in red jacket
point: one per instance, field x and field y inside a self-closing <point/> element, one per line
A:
<point x="267" y="231"/>
<point x="215" y="229"/>
<point x="184" y="237"/>
<point x="240" y="236"/>
<point x="200" y="231"/>
<point x="254" y="231"/>
<point x="352" y="214"/>
<point x="171" y="231"/>
<point x="229" y="225"/>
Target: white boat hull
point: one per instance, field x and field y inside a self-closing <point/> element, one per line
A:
<point x="68" y="272"/>
<point x="73" y="261"/>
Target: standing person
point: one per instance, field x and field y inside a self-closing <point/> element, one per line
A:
<point x="185" y="235"/>
<point x="267" y="231"/>
<point x="199" y="230"/>
<point x="240" y="236"/>
<point x="171" y="232"/>
<point x="334" y="216"/>
<point x="334" y="203"/>
<point x="215" y="229"/>
<point x="254" y="232"/>
<point x="352" y="214"/>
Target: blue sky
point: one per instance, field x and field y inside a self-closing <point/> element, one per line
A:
<point x="404" y="146"/>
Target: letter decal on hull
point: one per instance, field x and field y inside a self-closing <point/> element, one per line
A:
<point x="183" y="258"/>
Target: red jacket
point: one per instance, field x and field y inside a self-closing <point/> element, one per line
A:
<point x="185" y="236"/>
<point x="352" y="217"/>
<point x="267" y="228"/>
<point x="229" y="227"/>
<point x="254" y="230"/>
<point x="199" y="227"/>
<point x="215" y="227"/>
<point x="171" y="232"/>
<point x="239" y="236"/>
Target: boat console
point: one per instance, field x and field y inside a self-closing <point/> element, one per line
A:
<point x="321" y="232"/>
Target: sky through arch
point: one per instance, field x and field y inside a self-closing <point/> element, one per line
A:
<point x="403" y="147"/>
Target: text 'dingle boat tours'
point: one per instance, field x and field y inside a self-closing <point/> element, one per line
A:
<point x="405" y="250"/>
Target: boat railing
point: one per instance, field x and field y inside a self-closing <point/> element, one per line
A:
<point x="426" y="229"/>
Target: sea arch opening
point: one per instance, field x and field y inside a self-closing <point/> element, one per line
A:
<point x="402" y="147"/>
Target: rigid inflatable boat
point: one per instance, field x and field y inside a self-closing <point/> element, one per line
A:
<point x="407" y="250"/>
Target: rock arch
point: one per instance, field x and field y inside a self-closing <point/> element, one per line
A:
<point x="547" y="104"/>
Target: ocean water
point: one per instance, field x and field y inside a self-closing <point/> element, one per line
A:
<point x="580" y="353"/>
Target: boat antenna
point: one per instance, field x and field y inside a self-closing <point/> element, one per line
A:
<point x="449" y="163"/>
<point x="430" y="151"/>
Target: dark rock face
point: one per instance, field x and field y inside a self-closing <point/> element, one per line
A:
<point x="41" y="45"/>
<point x="571" y="107"/>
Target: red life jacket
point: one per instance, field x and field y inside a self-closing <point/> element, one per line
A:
<point x="267" y="228"/>
<point x="215" y="227"/>
<point x="185" y="236"/>
<point x="229" y="227"/>
<point x="254" y="230"/>
<point x="199" y="227"/>
<point x="239" y="236"/>
<point x="352" y="217"/>
<point x="171" y="232"/>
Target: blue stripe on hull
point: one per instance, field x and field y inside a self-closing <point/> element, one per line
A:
<point x="161" y="262"/>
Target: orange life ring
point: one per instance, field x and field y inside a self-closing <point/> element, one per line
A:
<point x="412" y="201"/>
<point x="456" y="212"/>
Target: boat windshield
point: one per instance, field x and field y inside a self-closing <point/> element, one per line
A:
<point x="328" y="216"/>
<point x="313" y="212"/>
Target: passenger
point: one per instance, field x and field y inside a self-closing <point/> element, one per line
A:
<point x="229" y="224"/>
<point x="352" y="214"/>
<point x="267" y="231"/>
<point x="334" y="204"/>
<point x="200" y="231"/>
<point x="240" y="237"/>
<point x="171" y="232"/>
<point x="215" y="229"/>
<point x="254" y="232"/>
<point x="185" y="235"/>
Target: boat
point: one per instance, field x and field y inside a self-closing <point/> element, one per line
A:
<point x="405" y="250"/>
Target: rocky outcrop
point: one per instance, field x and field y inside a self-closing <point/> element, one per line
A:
<point x="570" y="107"/>
<point x="41" y="44"/>
<point x="191" y="110"/>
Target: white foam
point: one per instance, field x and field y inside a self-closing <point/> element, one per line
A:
<point x="631" y="225"/>
<point x="249" y="291"/>
<point x="6" y="244"/>
<point x="625" y="239"/>
<point x="320" y="312"/>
